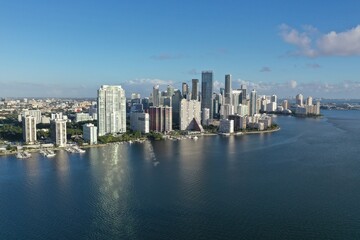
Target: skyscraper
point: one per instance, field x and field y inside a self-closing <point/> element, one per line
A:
<point x="253" y="98"/>
<point x="309" y="101"/>
<point x="243" y="94"/>
<point x="195" y="90"/>
<point x="190" y="115"/>
<point x="185" y="89"/>
<point x="175" y="101"/>
<point x="206" y="91"/>
<point x="58" y="132"/>
<point x="111" y="110"/>
<point x="228" y="89"/>
<point x="156" y="96"/>
<point x="170" y="90"/>
<point x="300" y="99"/>
<point x="29" y="129"/>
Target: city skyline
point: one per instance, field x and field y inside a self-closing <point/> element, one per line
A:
<point x="69" y="49"/>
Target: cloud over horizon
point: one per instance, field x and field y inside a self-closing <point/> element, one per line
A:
<point x="343" y="89"/>
<point x="311" y="43"/>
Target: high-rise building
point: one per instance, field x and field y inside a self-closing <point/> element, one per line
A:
<point x="243" y="110"/>
<point x="111" y="110"/>
<point x="139" y="122"/>
<point x="285" y="104"/>
<point x="207" y="91"/>
<point x="58" y="132"/>
<point x="146" y="103"/>
<point x="205" y="115"/>
<point x="243" y="94"/>
<point x="195" y="90"/>
<point x="29" y="129"/>
<point x="170" y="90"/>
<point x="274" y="99"/>
<point x="156" y="96"/>
<point x="160" y="119"/>
<point x="226" y="126"/>
<point x="185" y="90"/>
<point x="190" y="115"/>
<point x="236" y="99"/>
<point x="228" y="90"/>
<point x="175" y="103"/>
<point x="253" y="102"/>
<point x="300" y="99"/>
<point x="90" y="133"/>
<point x="309" y="101"/>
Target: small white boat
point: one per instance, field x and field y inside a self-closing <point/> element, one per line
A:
<point x="50" y="153"/>
<point x="23" y="155"/>
<point x="78" y="150"/>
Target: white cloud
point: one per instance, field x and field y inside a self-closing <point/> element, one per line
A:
<point x="311" y="43"/>
<point x="342" y="44"/>
<point x="301" y="40"/>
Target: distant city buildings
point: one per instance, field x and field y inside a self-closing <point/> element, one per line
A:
<point x="189" y="108"/>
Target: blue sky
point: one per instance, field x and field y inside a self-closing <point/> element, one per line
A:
<point x="69" y="48"/>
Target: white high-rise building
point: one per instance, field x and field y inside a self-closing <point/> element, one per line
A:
<point x="285" y="104"/>
<point x="139" y="121"/>
<point x="309" y="101"/>
<point x="156" y="96"/>
<point x="300" y="99"/>
<point x="236" y="100"/>
<point x="226" y="110"/>
<point x="111" y="110"/>
<point x="274" y="99"/>
<point x="190" y="110"/>
<point x="58" y="132"/>
<point x="243" y="110"/>
<point x="90" y="133"/>
<point x="29" y="129"/>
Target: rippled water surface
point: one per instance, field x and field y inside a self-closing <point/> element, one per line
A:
<point x="302" y="182"/>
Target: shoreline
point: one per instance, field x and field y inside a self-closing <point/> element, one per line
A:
<point x="181" y="138"/>
<point x="264" y="131"/>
